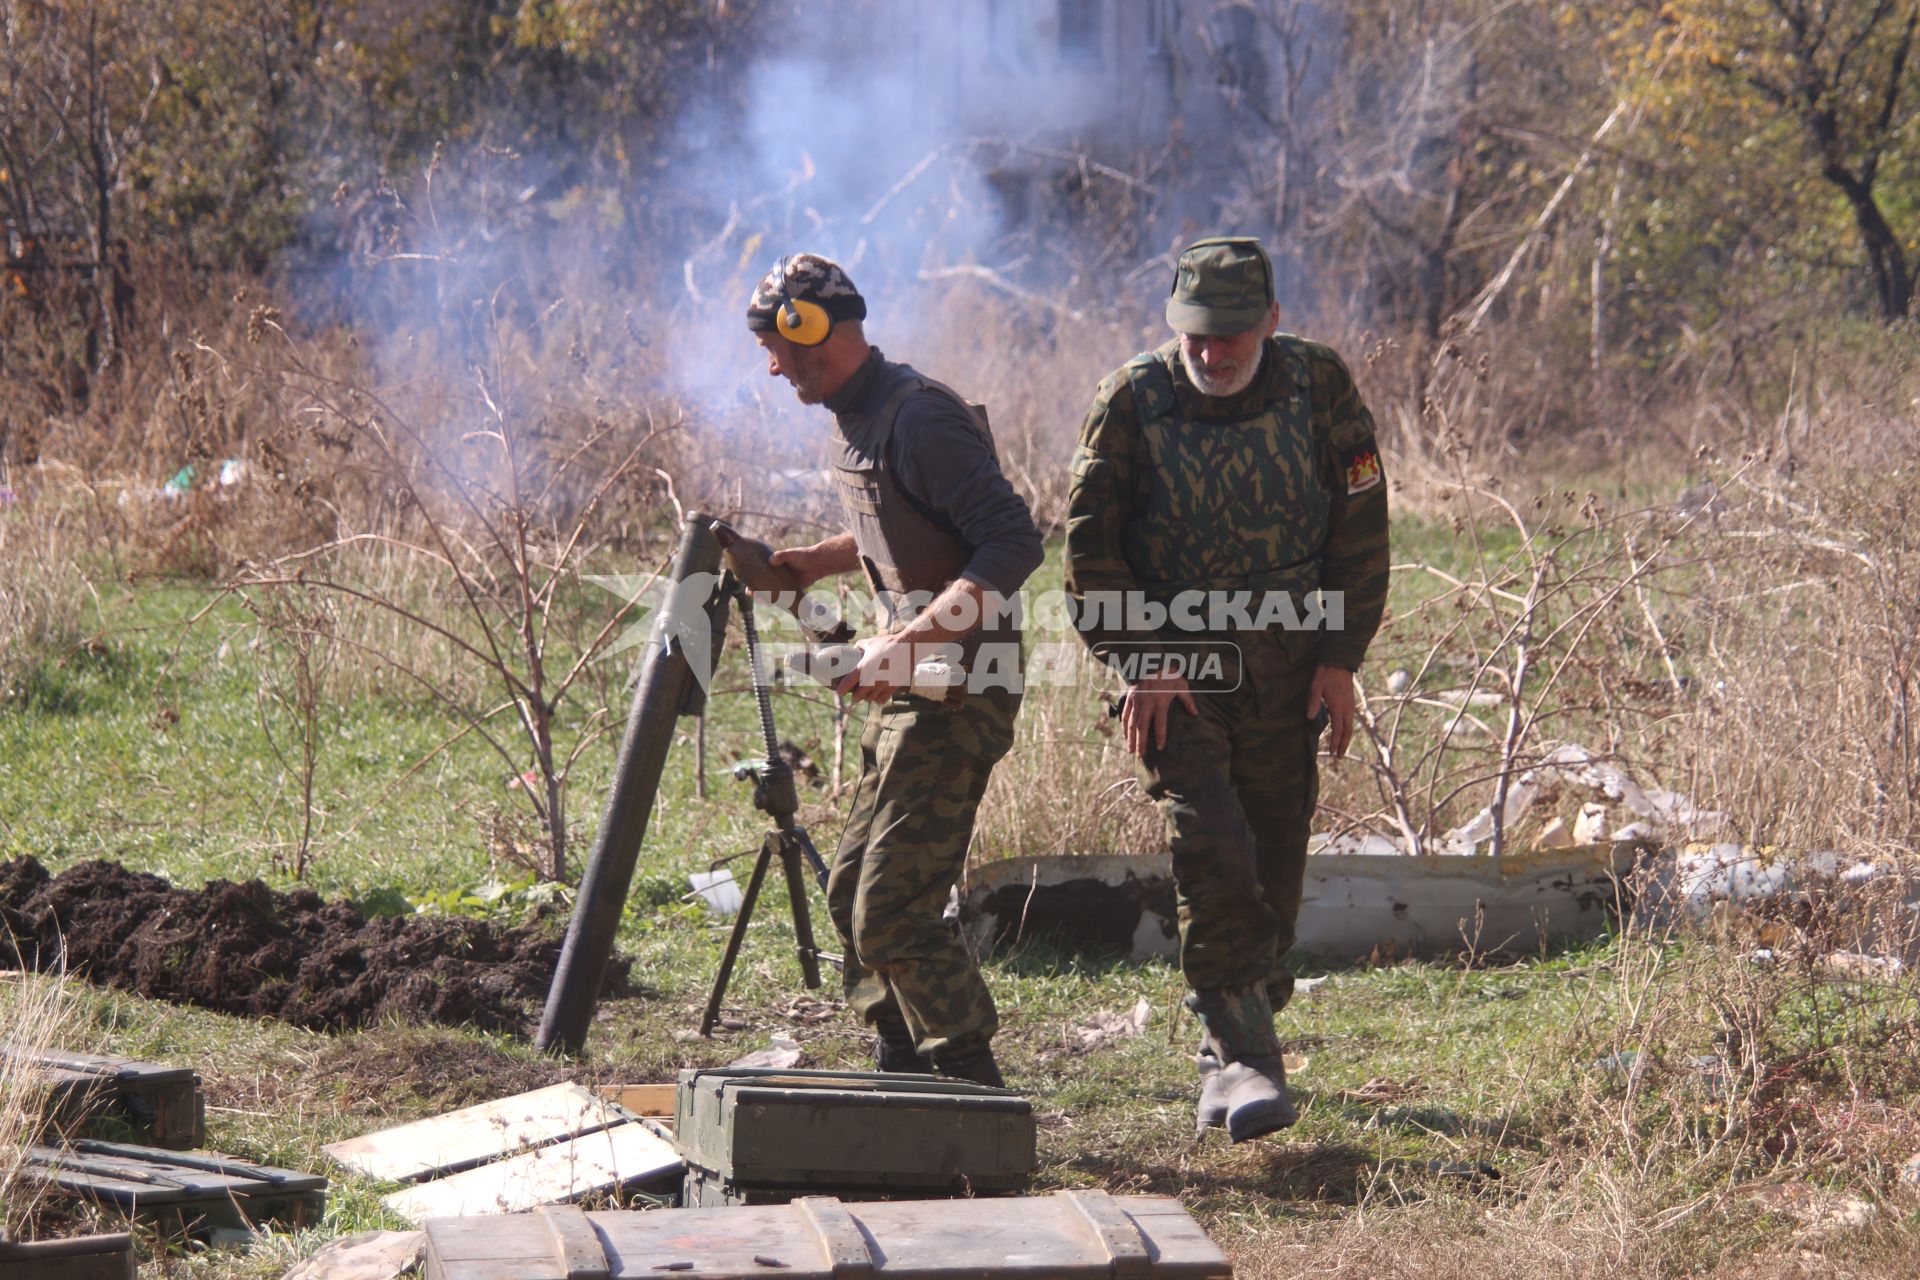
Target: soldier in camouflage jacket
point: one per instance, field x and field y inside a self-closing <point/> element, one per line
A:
<point x="1221" y="481"/>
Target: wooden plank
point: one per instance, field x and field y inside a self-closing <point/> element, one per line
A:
<point x="654" y="1100"/>
<point x="453" y="1249"/>
<point x="597" y="1162"/>
<point x="476" y="1135"/>
<point x="462" y="1240"/>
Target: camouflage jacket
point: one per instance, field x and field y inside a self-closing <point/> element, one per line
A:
<point x="1133" y="525"/>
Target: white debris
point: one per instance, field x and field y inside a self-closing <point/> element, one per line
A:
<point x="1115" y="1026"/>
<point x="1663" y="813"/>
<point x="782" y="1052"/>
<point x="1705" y="876"/>
<point x="718" y="890"/>
<point x="1852" y="964"/>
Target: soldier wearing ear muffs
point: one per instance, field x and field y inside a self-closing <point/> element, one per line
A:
<point x="945" y="544"/>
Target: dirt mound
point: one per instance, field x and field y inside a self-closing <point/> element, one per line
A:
<point x="244" y="949"/>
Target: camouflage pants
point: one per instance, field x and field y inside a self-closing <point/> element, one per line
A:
<point x="923" y="768"/>
<point x="1237" y="785"/>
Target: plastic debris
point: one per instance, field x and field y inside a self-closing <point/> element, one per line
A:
<point x="718" y="890"/>
<point x="783" y="1052"/>
<point x="1114" y="1026"/>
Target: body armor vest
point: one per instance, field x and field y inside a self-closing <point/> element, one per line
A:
<point x="910" y="553"/>
<point x="1228" y="503"/>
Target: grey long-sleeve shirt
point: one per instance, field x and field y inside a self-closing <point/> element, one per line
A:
<point x="939" y="459"/>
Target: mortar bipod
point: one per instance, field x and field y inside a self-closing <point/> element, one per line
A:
<point x="775" y="794"/>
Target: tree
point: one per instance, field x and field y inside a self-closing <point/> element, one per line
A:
<point x="1841" y="73"/>
<point x="79" y="82"/>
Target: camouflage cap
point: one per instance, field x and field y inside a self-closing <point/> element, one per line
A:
<point x="805" y="277"/>
<point x="1222" y="287"/>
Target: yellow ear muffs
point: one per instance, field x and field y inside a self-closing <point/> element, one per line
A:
<point x="805" y="324"/>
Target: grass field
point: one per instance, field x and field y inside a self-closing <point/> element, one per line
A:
<point x="1630" y="1106"/>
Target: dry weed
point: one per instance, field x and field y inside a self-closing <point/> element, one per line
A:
<point x="35" y="1016"/>
<point x="45" y="593"/>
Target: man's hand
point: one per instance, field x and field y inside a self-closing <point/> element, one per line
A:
<point x="1333" y="688"/>
<point x="1148" y="708"/>
<point x="886" y="667"/>
<point x="821" y="560"/>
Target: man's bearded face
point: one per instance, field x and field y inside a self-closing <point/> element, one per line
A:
<point x="1221" y="365"/>
<point x="804" y="367"/>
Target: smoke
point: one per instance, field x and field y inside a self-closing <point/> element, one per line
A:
<point x="903" y="140"/>
<point x="1045" y="153"/>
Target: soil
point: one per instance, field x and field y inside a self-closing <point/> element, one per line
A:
<point x="245" y="949"/>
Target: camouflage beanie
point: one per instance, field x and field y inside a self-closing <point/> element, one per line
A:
<point x="807" y="277"/>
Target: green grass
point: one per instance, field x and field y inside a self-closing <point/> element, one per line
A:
<point x="145" y="745"/>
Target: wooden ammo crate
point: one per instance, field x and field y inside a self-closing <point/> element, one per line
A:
<point x="181" y="1192"/>
<point x="78" y="1258"/>
<point x="1073" y="1235"/>
<point x="108" y="1097"/>
<point x="763" y="1136"/>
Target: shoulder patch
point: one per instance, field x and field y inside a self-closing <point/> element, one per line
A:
<point x="1361" y="462"/>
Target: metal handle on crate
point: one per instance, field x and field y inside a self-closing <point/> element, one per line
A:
<point x="840" y="1237"/>
<point x="1114" y="1232"/>
<point x="576" y="1245"/>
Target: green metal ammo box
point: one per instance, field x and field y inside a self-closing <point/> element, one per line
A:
<point x="757" y="1136"/>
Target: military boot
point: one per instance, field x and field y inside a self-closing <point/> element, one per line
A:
<point x="972" y="1061"/>
<point x="895" y="1050"/>
<point x="1212" y="1112"/>
<point x="1256" y="1098"/>
<point x="1250" y="1082"/>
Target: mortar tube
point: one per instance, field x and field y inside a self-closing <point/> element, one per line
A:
<point x="657" y="703"/>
